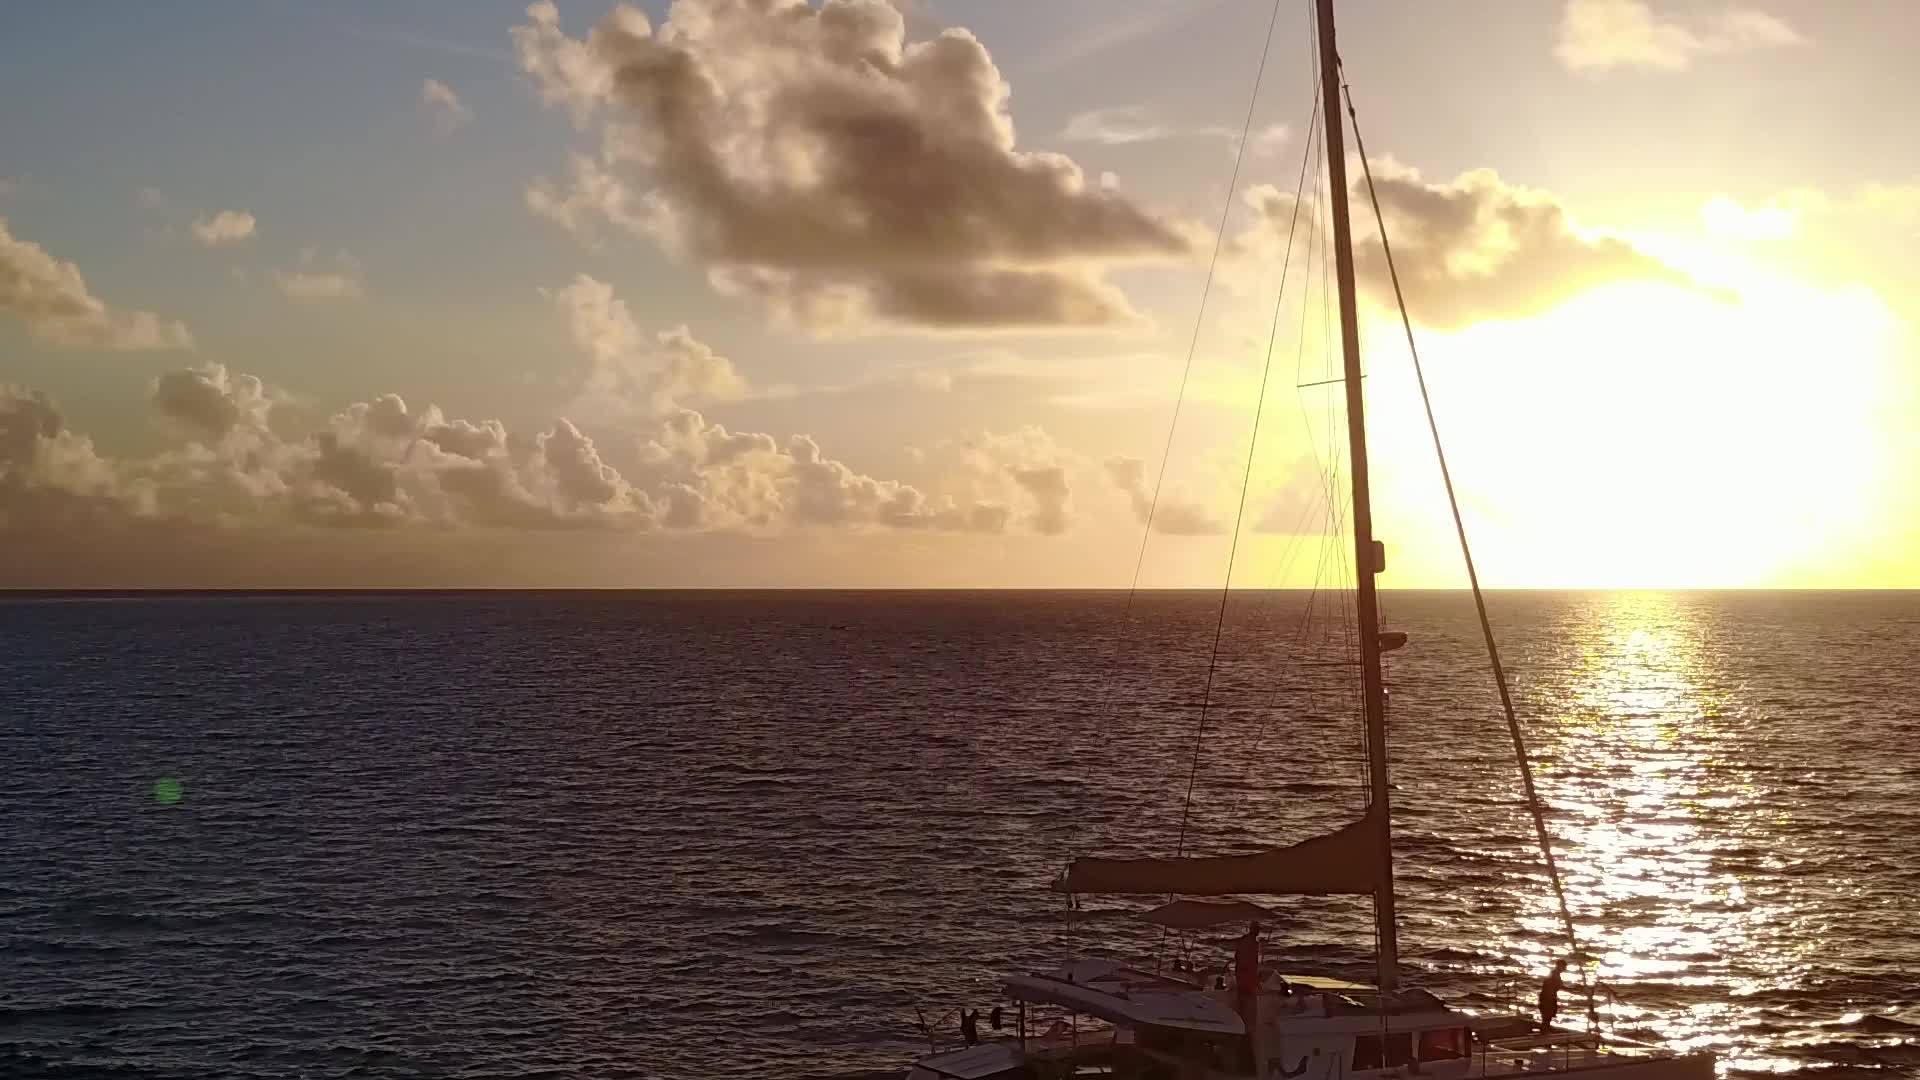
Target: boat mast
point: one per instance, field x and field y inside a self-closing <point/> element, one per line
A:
<point x="1367" y="558"/>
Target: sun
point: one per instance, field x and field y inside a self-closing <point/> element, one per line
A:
<point x="1645" y="435"/>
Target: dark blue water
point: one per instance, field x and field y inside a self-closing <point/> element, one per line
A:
<point x="744" y="834"/>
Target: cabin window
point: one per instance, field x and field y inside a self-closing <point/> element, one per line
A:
<point x="1400" y="1048"/>
<point x="1446" y="1044"/>
<point x="1366" y="1052"/>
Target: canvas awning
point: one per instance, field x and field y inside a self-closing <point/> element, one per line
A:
<point x="1344" y="861"/>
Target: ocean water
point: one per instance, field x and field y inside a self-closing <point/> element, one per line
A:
<point x="732" y="835"/>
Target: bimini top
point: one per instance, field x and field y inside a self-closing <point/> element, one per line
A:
<point x="1123" y="995"/>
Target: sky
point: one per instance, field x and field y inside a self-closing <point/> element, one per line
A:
<point x="930" y="293"/>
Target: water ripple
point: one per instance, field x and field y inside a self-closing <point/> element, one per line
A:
<point x="743" y="835"/>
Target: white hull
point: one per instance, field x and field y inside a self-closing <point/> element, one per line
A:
<point x="1150" y="1028"/>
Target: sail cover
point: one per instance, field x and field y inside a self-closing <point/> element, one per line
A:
<point x="1205" y="914"/>
<point x="1346" y="860"/>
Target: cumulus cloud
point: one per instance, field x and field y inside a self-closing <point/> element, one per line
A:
<point x="52" y="298"/>
<point x="1052" y="496"/>
<point x="1024" y="469"/>
<point x="631" y="374"/>
<point x="1600" y="35"/>
<point x="1173" y="516"/>
<point x="596" y="195"/>
<point x="712" y="478"/>
<point x="50" y="478"/>
<point x="642" y="459"/>
<point x="817" y="160"/>
<point x="380" y="463"/>
<point x="207" y="401"/>
<point x="224" y="229"/>
<point x="448" y="113"/>
<point x="1472" y="248"/>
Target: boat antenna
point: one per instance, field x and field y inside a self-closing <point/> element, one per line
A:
<point x="1368" y="559"/>
<point x="1473" y="577"/>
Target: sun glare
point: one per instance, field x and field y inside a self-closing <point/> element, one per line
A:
<point x="1650" y="436"/>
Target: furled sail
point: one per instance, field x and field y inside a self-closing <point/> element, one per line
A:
<point x="1346" y="860"/>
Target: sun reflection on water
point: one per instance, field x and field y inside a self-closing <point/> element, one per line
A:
<point x="1653" y="829"/>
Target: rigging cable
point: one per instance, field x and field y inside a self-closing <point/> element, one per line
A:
<point x="1200" y="317"/>
<point x="1473" y="578"/>
<point x="1246" y="481"/>
<point x="1186" y="372"/>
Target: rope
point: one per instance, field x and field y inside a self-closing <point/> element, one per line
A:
<point x="1246" y="480"/>
<point x="1473" y="579"/>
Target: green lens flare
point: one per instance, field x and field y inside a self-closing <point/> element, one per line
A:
<point x="166" y="790"/>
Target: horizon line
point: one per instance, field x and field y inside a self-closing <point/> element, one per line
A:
<point x="7" y="591"/>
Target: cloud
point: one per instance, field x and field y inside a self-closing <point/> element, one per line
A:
<point x="1776" y="220"/>
<point x="641" y="461"/>
<point x="50" y="478"/>
<point x="593" y="195"/>
<point x="1600" y="35"/>
<point x="310" y="285"/>
<point x="631" y="374"/>
<point x="444" y="106"/>
<point x="377" y="463"/>
<point x="1268" y="140"/>
<point x="226" y="228"/>
<point x="312" y="282"/>
<point x="381" y="464"/>
<point x="1052" y="496"/>
<point x="1023" y="468"/>
<point x="52" y="298"/>
<point x="1172" y="516"/>
<point x="1135" y="124"/>
<point x="818" y="161"/>
<point x="1115" y="127"/>
<point x="205" y="400"/>
<point x="1470" y="249"/>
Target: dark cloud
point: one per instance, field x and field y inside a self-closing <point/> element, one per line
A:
<point x="208" y="402"/>
<point x="817" y="159"/>
<point x="1471" y="249"/>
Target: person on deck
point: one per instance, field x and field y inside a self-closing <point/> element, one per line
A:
<point x="1550" y="994"/>
<point x="970" y="1027"/>
<point x="1246" y="970"/>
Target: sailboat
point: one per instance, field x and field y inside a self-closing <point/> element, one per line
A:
<point x="1099" y="1018"/>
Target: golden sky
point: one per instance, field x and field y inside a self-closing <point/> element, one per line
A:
<point x="763" y="293"/>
